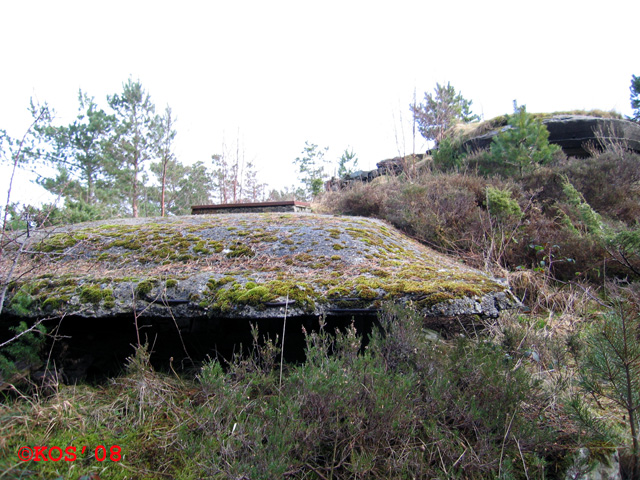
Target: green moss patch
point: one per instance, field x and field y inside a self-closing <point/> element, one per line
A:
<point x="226" y="295"/>
<point x="144" y="287"/>
<point x="60" y="242"/>
<point x="95" y="294"/>
<point x="240" y="250"/>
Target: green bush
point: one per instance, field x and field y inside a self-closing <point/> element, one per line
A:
<point x="21" y="302"/>
<point x="22" y="354"/>
<point x="448" y="157"/>
<point x="610" y="367"/>
<point x="400" y="404"/>
<point x="590" y="220"/>
<point x="381" y="412"/>
<point x="501" y="204"/>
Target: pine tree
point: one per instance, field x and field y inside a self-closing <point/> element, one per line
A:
<point x="134" y="133"/>
<point x="635" y="98"/>
<point x="440" y="111"/>
<point x="79" y="153"/>
<point x="348" y="163"/>
<point x="311" y="165"/>
<point x="525" y="144"/>
<point x="611" y="366"/>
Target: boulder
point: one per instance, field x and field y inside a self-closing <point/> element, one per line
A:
<point x="577" y="134"/>
<point x="587" y="466"/>
<point x="390" y="166"/>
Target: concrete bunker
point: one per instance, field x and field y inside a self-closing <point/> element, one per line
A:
<point x="194" y="285"/>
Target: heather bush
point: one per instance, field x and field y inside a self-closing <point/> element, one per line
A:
<point x="385" y="413"/>
<point x="566" y="218"/>
<point x="609" y="182"/>
<point x="361" y="199"/>
<point x="407" y="404"/>
<point x="450" y="212"/>
<point x="438" y="210"/>
<point x="483" y="164"/>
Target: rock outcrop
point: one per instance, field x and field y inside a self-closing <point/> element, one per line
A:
<point x="390" y="166"/>
<point x="575" y="134"/>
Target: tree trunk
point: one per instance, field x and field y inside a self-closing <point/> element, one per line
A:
<point x="134" y="192"/>
<point x="164" y="182"/>
<point x="90" y="188"/>
<point x="635" y="468"/>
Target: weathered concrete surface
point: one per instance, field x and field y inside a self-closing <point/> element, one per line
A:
<point x="240" y="266"/>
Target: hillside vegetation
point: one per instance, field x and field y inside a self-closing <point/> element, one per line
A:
<point x="516" y="397"/>
<point x="565" y="233"/>
<point x="570" y="218"/>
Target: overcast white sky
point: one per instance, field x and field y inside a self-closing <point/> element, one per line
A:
<point x="336" y="73"/>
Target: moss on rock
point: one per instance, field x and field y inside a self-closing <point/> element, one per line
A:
<point x="243" y="263"/>
<point x="144" y="287"/>
<point x="91" y="294"/>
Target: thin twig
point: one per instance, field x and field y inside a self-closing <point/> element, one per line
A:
<point x="526" y="473"/>
<point x="21" y="333"/>
<point x="135" y="314"/>
<point x="504" y="441"/>
<point x="284" y="328"/>
<point x="166" y="304"/>
<point x="16" y="159"/>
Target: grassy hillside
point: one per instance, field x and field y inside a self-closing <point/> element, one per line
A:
<point x="566" y="218"/>
<point x="411" y="406"/>
<point x="566" y="236"/>
<point x="509" y="398"/>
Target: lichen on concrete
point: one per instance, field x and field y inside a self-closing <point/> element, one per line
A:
<point x="245" y="265"/>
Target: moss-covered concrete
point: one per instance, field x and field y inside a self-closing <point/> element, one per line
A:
<point x="243" y="265"/>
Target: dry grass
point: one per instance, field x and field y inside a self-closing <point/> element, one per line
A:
<point x="540" y="293"/>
